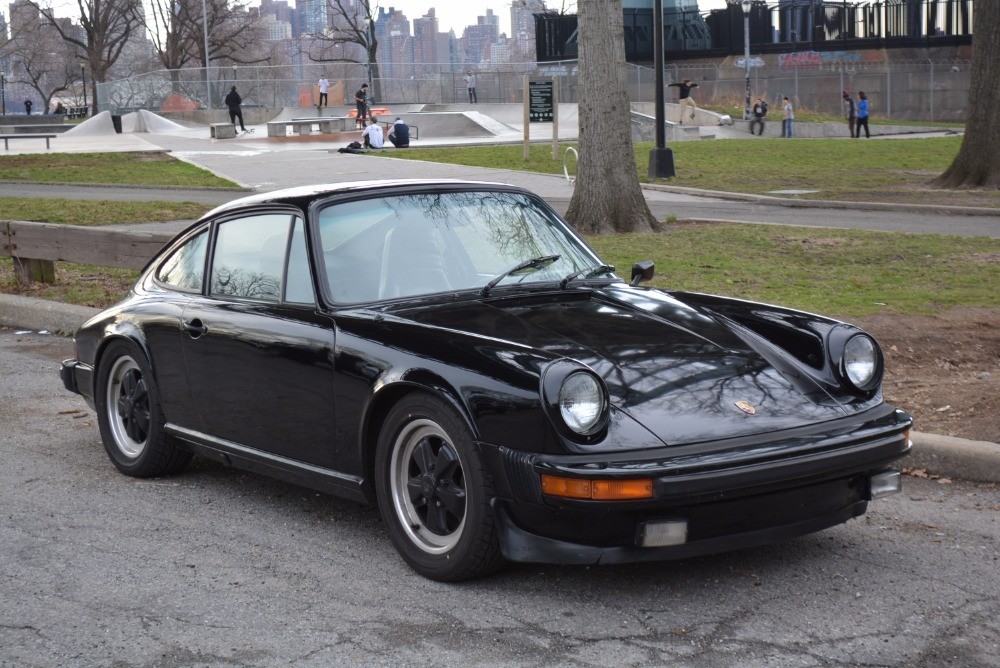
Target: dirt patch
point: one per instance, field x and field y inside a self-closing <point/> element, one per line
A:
<point x="944" y="369"/>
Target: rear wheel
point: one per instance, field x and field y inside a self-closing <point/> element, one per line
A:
<point x="129" y="415"/>
<point x="433" y="492"/>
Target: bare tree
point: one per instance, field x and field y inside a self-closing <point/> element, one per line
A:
<point x="977" y="164"/>
<point x="106" y="27"/>
<point x="234" y="34"/>
<point x="352" y="23"/>
<point x="177" y="30"/>
<point x="607" y="197"/>
<point x="42" y="60"/>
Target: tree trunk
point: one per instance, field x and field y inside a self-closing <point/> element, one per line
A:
<point x="607" y="197"/>
<point x="977" y="164"/>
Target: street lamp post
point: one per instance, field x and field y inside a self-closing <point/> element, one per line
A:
<point x="3" y="92"/>
<point x="661" y="158"/>
<point x="208" y="82"/>
<point x="83" y="78"/>
<point x="746" y="53"/>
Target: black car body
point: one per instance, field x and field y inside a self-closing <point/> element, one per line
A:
<point x="454" y="353"/>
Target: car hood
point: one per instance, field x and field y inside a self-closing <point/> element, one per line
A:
<point x="684" y="373"/>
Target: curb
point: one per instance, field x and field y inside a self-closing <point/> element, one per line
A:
<point x="825" y="203"/>
<point x="945" y="456"/>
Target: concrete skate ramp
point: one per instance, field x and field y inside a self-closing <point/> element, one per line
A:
<point x="101" y="124"/>
<point x="510" y="115"/>
<point x="147" y="121"/>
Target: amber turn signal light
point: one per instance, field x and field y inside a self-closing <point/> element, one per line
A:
<point x="600" y="490"/>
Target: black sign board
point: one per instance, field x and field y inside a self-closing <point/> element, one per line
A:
<point x="541" y="108"/>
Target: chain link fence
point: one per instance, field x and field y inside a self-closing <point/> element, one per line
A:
<point x="926" y="90"/>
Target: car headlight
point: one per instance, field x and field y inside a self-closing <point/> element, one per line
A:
<point x="581" y="402"/>
<point x="575" y="399"/>
<point x="861" y="363"/>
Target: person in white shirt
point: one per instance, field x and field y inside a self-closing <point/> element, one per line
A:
<point x="324" y="85"/>
<point x="373" y="136"/>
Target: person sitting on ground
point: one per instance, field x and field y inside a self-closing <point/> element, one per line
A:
<point x="372" y="136"/>
<point x="399" y="134"/>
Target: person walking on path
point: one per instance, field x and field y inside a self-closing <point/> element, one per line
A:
<point x="233" y="101"/>
<point x="361" y="102"/>
<point x="759" y="112"/>
<point x="27" y="107"/>
<point x="685" y="97"/>
<point x="789" y="117"/>
<point x="862" y="115"/>
<point x="324" y="86"/>
<point x="399" y="134"/>
<point x="372" y="136"/>
<point x="851" y="116"/>
<point x="470" y="86"/>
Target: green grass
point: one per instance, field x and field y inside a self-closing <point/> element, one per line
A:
<point x="844" y="272"/>
<point x="858" y="170"/>
<point x="139" y="169"/>
<point x="97" y="212"/>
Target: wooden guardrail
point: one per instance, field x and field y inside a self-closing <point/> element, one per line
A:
<point x="36" y="246"/>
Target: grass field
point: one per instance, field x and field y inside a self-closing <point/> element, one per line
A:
<point x="97" y="212"/>
<point x="842" y="272"/>
<point x="852" y="170"/>
<point x="140" y="169"/>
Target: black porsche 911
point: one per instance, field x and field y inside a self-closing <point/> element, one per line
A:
<point x="454" y="353"/>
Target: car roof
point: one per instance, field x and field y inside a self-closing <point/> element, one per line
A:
<point x="300" y="195"/>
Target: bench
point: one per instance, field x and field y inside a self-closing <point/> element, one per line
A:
<point x="76" y="112"/>
<point x="7" y="138"/>
<point x="223" y="130"/>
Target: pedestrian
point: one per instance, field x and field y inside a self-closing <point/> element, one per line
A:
<point x="361" y="102"/>
<point x="789" y="117"/>
<point x="470" y="86"/>
<point x="862" y="115"/>
<point x="759" y="112"/>
<point x="399" y="134"/>
<point x="685" y="97"/>
<point x="851" y="116"/>
<point x="372" y="136"/>
<point x="233" y="101"/>
<point x="324" y="86"/>
<point x="60" y="110"/>
<point x="27" y="107"/>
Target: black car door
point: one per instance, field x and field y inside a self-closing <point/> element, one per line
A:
<point x="258" y="353"/>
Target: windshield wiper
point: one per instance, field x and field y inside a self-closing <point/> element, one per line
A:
<point x="587" y="272"/>
<point x="528" y="266"/>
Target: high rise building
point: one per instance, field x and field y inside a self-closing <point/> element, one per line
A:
<point x="425" y="40"/>
<point x="313" y="18"/>
<point x="477" y="39"/>
<point x="522" y="28"/>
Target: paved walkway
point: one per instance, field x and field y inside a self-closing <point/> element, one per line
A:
<point x="265" y="165"/>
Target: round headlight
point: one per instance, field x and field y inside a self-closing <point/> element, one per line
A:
<point x="861" y="364"/>
<point x="581" y="402"/>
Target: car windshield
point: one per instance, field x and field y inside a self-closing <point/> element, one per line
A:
<point x="414" y="244"/>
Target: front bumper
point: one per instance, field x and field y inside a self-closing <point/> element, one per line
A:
<point x="79" y="378"/>
<point x="726" y="495"/>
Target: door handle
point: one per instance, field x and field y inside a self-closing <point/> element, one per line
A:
<point x="195" y="328"/>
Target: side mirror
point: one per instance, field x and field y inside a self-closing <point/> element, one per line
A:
<point x="642" y="271"/>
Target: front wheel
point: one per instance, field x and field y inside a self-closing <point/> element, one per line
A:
<point x="129" y="415"/>
<point x="433" y="492"/>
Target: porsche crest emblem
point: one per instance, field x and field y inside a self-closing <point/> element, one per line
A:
<point x="746" y="407"/>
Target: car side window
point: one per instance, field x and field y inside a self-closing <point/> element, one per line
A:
<point x="185" y="267"/>
<point x="249" y="257"/>
<point x="298" y="282"/>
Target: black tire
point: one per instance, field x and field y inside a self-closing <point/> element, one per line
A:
<point x="433" y="492"/>
<point x="129" y="415"/>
